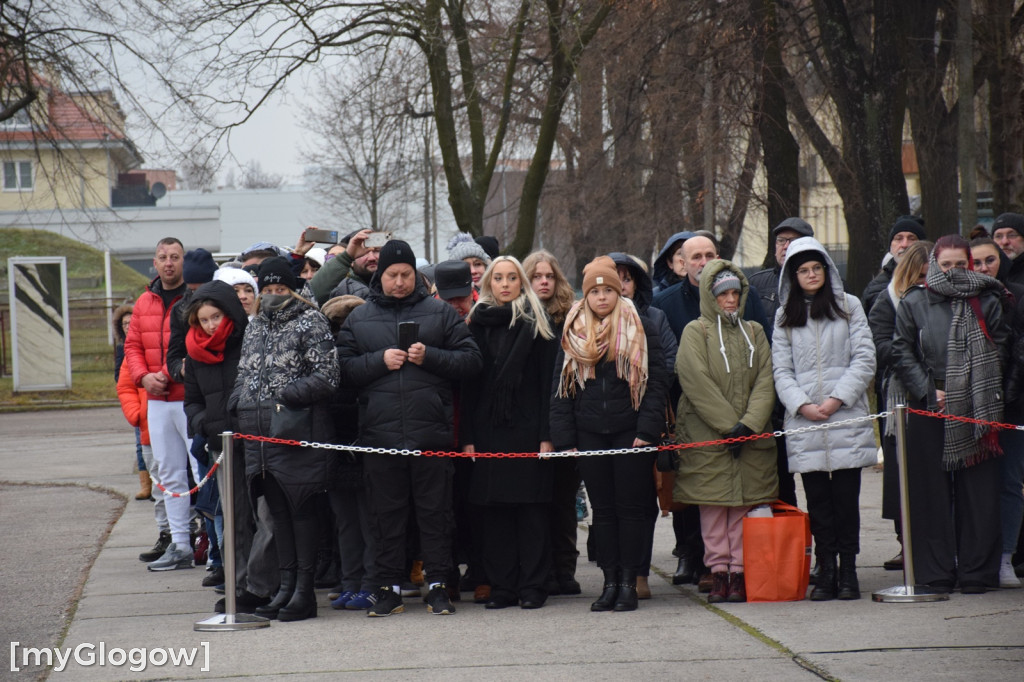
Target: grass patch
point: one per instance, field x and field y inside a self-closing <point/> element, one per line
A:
<point x="92" y="357"/>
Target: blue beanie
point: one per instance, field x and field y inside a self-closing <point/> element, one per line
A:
<point x="199" y="267"/>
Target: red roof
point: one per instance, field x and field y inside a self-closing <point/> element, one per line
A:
<point x="66" y="120"/>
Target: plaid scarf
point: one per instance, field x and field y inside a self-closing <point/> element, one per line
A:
<point x="974" y="379"/>
<point x="621" y="331"/>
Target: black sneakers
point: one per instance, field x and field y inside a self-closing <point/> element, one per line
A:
<point x="385" y="602"/>
<point x="438" y="602"/>
<point x="158" y="549"/>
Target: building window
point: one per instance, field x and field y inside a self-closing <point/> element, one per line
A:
<point x="19" y="121"/>
<point x="18" y="176"/>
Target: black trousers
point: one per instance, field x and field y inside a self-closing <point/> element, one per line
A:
<point x="833" y="502"/>
<point x="686" y="526"/>
<point x="954" y="516"/>
<point x="622" y="493"/>
<point x="469" y="524"/>
<point x="562" y="522"/>
<point x="391" y="482"/>
<point x="296" y="529"/>
<point x="515" y="550"/>
<point x="256" y="563"/>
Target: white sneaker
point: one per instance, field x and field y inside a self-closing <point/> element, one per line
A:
<point x="1007" y="577"/>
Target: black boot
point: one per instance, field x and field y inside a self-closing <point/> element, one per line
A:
<point x="627" y="597"/>
<point x="283" y="596"/>
<point x="849" y="588"/>
<point x="303" y="601"/>
<point x="815" y="572"/>
<point x="606" y="602"/>
<point x="686" y="570"/>
<point x="825" y="587"/>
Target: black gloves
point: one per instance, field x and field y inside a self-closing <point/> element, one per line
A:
<point x="738" y="431"/>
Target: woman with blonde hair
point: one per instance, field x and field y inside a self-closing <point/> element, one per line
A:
<point x="547" y="280"/>
<point x="609" y="391"/>
<point x="506" y="410"/>
<point x="545" y="277"/>
<point x="911" y="271"/>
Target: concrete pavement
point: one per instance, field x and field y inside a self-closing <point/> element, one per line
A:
<point x="75" y="460"/>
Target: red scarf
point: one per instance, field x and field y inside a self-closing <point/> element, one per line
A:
<point x="207" y="349"/>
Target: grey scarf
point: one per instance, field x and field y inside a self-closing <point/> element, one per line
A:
<point x="974" y="379"/>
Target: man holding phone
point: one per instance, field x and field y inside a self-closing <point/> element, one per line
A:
<point x="349" y="272"/>
<point x="403" y="350"/>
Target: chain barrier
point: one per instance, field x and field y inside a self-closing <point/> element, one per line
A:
<point x="567" y="453"/>
<point x="966" y="420"/>
<point x="199" y="485"/>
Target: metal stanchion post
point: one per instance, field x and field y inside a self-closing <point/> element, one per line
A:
<point x="229" y="620"/>
<point x="908" y="591"/>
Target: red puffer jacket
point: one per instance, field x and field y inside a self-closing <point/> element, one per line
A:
<point x="145" y="349"/>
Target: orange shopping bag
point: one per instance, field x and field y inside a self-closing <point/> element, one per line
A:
<point x="777" y="554"/>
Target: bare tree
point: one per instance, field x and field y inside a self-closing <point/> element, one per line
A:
<point x="197" y="171"/>
<point x="230" y="56"/>
<point x="254" y="177"/>
<point x="366" y="158"/>
<point x="853" y="49"/>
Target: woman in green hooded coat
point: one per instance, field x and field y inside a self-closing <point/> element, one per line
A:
<point x="725" y="369"/>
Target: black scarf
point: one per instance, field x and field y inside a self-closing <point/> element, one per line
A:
<point x="511" y="350"/>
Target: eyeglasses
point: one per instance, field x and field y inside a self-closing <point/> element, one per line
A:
<point x="782" y="241"/>
<point x="815" y="269"/>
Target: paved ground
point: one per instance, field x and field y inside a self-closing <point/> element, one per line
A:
<point x="79" y="464"/>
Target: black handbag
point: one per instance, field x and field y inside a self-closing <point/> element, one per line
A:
<point x="291" y="423"/>
<point x="667" y="459"/>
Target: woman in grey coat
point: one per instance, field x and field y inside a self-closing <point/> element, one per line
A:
<point x="824" y="358"/>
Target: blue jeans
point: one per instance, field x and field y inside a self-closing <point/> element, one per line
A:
<point x="138" y="450"/>
<point x="1011" y="497"/>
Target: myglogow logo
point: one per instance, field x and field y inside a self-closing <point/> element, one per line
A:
<point x="88" y="655"/>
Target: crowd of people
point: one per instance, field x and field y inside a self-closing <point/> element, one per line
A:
<point x="482" y="354"/>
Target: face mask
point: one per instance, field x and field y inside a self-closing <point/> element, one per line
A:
<point x="274" y="302"/>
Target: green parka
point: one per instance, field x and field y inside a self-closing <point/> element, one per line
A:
<point x="724" y="366"/>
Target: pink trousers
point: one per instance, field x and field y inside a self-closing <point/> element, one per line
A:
<point x="722" y="530"/>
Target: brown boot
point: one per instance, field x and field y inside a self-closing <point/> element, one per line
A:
<point x="719" y="587"/>
<point x="416" y="574"/>
<point x="643" y="588"/>
<point x="737" y="588"/>
<point x="146" y="493"/>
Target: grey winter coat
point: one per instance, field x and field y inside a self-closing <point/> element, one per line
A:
<point x="825" y="359"/>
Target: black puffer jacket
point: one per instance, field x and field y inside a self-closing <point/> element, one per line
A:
<point x="208" y="386"/>
<point x="288" y="357"/>
<point x="604" y="405"/>
<point x="410" y="407"/>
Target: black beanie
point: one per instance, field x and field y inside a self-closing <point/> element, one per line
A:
<point x="489" y="244"/>
<point x="275" y="270"/>
<point x="1012" y="220"/>
<point x="198" y="267"/>
<point x="794" y="262"/>
<point x="907" y="224"/>
<point x="395" y="251"/>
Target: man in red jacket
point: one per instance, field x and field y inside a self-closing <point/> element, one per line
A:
<point x="145" y="356"/>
